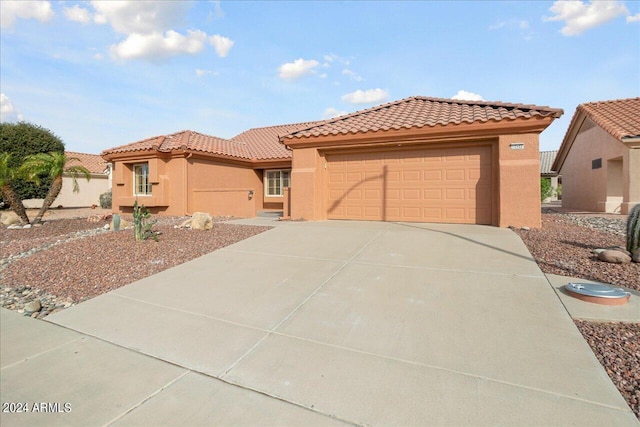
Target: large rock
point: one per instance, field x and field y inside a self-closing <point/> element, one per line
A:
<point x="9" y="218"/>
<point x="614" y="256"/>
<point x="201" y="221"/>
<point x="33" y="306"/>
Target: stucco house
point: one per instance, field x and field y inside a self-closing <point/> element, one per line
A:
<point x="416" y="159"/>
<point x="90" y="191"/>
<point x="546" y="161"/>
<point x="599" y="158"/>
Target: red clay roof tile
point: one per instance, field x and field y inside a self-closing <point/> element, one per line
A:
<point x="620" y="117"/>
<point x="264" y="142"/>
<point x="418" y="112"/>
<point x="93" y="162"/>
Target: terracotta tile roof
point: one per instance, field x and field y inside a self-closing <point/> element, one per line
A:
<point x="620" y="117"/>
<point x="421" y="111"/>
<point x="93" y="162"/>
<point x="264" y="143"/>
<point x="546" y="160"/>
<point x="186" y="140"/>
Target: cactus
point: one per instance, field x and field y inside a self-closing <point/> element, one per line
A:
<point x="116" y="222"/>
<point x="633" y="229"/>
<point x="141" y="228"/>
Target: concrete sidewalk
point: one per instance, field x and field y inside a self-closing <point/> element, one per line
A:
<point x="321" y="323"/>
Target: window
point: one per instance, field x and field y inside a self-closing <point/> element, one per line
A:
<point x="275" y="182"/>
<point x="141" y="184"/>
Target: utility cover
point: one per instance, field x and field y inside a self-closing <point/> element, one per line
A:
<point x="597" y="290"/>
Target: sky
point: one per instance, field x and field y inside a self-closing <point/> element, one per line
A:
<point x="106" y="73"/>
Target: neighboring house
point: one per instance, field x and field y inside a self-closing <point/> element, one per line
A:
<point x="90" y="191"/>
<point x="416" y="159"/>
<point x="546" y="161"/>
<point x="599" y="158"/>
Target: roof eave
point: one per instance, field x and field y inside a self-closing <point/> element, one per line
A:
<point x="575" y="125"/>
<point x="492" y="128"/>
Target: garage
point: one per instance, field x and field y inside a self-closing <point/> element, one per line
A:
<point x="448" y="185"/>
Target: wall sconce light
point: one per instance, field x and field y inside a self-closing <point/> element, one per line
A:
<point x="517" y="146"/>
<point x="250" y="194"/>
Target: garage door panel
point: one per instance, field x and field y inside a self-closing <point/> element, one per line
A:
<point x="436" y="185"/>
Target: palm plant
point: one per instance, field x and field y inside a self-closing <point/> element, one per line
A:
<point x="53" y="165"/>
<point x="7" y="175"/>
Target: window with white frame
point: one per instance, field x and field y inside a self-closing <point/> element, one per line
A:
<point x="275" y="181"/>
<point x="141" y="184"/>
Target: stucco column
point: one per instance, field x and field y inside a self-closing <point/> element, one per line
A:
<point x="519" y="181"/>
<point x="307" y="190"/>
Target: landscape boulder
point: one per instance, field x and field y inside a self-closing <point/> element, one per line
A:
<point x="33" y="306"/>
<point x="9" y="218"/>
<point x="614" y="256"/>
<point x="201" y="221"/>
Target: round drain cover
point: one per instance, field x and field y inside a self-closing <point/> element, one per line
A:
<point x="597" y="290"/>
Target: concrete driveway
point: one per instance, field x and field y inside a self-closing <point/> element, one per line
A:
<point x="322" y="323"/>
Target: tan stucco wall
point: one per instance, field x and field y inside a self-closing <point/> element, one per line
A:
<point x="518" y="182"/>
<point x="223" y="189"/>
<point x="182" y="185"/>
<point x="167" y="176"/>
<point x="88" y="195"/>
<point x="584" y="188"/>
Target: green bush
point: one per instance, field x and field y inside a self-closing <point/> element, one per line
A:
<point x="546" y="190"/>
<point x="21" y="140"/>
<point x="105" y="200"/>
<point x="633" y="229"/>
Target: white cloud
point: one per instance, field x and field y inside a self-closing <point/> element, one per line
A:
<point x="467" y="96"/>
<point x="497" y="26"/>
<point x="200" y="72"/>
<point x="222" y="45"/>
<point x="580" y="16"/>
<point x="149" y="29"/>
<point x="332" y="112"/>
<point x="156" y="46"/>
<point x="98" y="56"/>
<point x="141" y="17"/>
<point x="11" y="10"/>
<point x="352" y="75"/>
<point x="633" y="18"/>
<point x="323" y="75"/>
<point x="297" y="68"/>
<point x="369" y="96"/>
<point x="7" y="110"/>
<point x="77" y="14"/>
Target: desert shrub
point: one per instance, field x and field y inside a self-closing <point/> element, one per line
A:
<point x="142" y="226"/>
<point x="105" y="200"/>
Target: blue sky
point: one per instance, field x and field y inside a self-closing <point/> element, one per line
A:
<point x="101" y="74"/>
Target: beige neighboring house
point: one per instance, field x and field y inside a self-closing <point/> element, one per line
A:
<point x="599" y="158"/>
<point x="90" y="191"/>
<point x="546" y="161"/>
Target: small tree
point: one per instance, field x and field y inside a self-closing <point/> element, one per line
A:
<point x="7" y="177"/>
<point x="53" y="166"/>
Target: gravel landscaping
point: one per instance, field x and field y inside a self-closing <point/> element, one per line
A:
<point x="563" y="246"/>
<point x="67" y="261"/>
